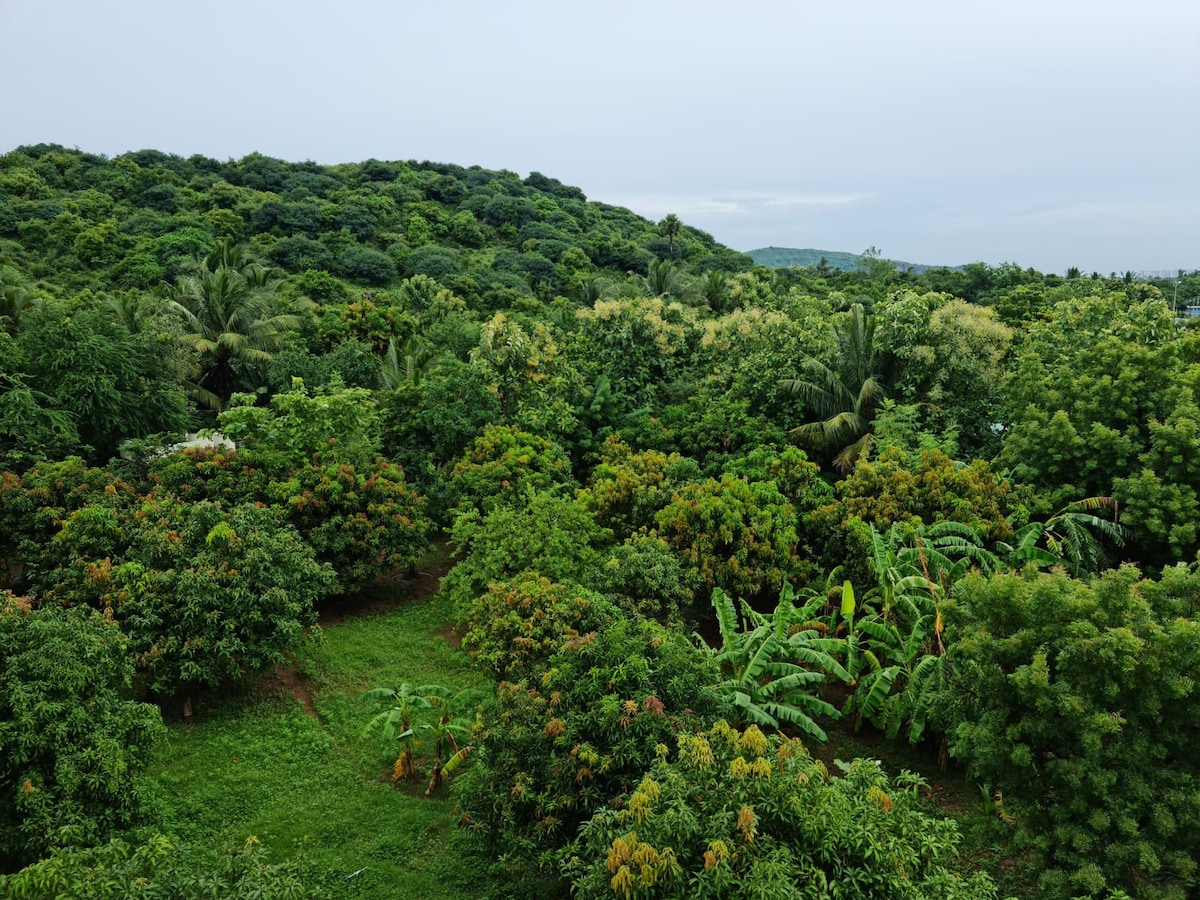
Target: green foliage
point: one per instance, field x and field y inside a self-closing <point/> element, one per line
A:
<point x="367" y="265"/>
<point x="739" y="814"/>
<point x="628" y="489"/>
<point x="789" y="469"/>
<point x="316" y="783"/>
<point x="213" y="594"/>
<point x="843" y="395"/>
<point x="711" y="430"/>
<point x="1082" y="708"/>
<point x="551" y="535"/>
<point x="644" y="577"/>
<point x="738" y="535"/>
<point x="516" y="626"/>
<point x="333" y="424"/>
<point x="948" y="356"/>
<point x="88" y="375"/>
<point x="549" y="756"/>
<point x="638" y="344"/>
<point x="91" y="506"/>
<point x="771" y="669"/>
<point x="159" y="867"/>
<point x="502" y="466"/>
<point x="924" y="487"/>
<point x="230" y="317"/>
<point x="362" y="523"/>
<point x="399" y="722"/>
<point x="72" y="747"/>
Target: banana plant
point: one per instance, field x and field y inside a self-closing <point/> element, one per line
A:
<point x="1073" y="537"/>
<point x="896" y="667"/>
<point x="400" y="723"/>
<point x="771" y="668"/>
<point x="451" y="721"/>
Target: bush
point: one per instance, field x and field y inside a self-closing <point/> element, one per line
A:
<point x="362" y="523"/>
<point x="502" y="466"/>
<point x="517" y="625"/>
<point x="1082" y="706"/>
<point x="550" y="535"/>
<point x="738" y="535"/>
<point x="366" y="265"/>
<point x="71" y="746"/>
<point x="161" y="868"/>
<point x="549" y="755"/>
<point x="643" y="577"/>
<point x="210" y="595"/>
<point x="298" y="254"/>
<point x="737" y="814"/>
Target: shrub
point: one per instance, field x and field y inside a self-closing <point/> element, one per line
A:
<point x="739" y="814"/>
<point x="738" y="535"/>
<point x="158" y="867"/>
<point x="549" y="755"/>
<point x="1082" y="707"/>
<point x="367" y="265"/>
<point x="502" y="466"/>
<point x="550" y="535"/>
<point x="210" y="595"/>
<point x="71" y="746"/>
<point x="517" y="625"/>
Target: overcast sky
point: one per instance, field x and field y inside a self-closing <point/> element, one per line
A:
<point x="1049" y="133"/>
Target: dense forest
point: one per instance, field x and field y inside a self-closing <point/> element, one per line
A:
<point x="729" y="551"/>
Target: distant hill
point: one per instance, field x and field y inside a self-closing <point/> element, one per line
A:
<point x="782" y="257"/>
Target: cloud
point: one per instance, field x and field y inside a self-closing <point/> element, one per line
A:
<point x="728" y="204"/>
<point x="788" y="201"/>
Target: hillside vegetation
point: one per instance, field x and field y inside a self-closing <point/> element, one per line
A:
<point x="716" y="527"/>
<point x="782" y="257"/>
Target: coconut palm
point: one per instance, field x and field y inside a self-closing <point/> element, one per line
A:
<point x="229" y="308"/>
<point x="407" y="363"/>
<point x="16" y="298"/>
<point x="845" y="396"/>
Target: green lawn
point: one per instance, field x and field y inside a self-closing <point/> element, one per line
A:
<point x="261" y="765"/>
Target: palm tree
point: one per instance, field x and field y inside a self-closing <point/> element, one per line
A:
<point x="662" y="278"/>
<point x="408" y="363"/>
<point x="670" y="228"/>
<point x="714" y="288"/>
<point x="16" y="298"/>
<point x="133" y="311"/>
<point x="845" y="396"/>
<point x="229" y="308"/>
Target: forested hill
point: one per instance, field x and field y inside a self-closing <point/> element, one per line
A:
<point x="134" y="221"/>
<point x="782" y="257"/>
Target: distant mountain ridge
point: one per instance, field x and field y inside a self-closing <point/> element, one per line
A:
<point x="782" y="257"/>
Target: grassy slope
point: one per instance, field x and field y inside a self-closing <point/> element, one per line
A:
<point x="267" y="768"/>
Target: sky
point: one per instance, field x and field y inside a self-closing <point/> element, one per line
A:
<point x="1053" y="133"/>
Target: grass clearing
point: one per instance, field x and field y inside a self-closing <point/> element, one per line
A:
<point x="262" y="765"/>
